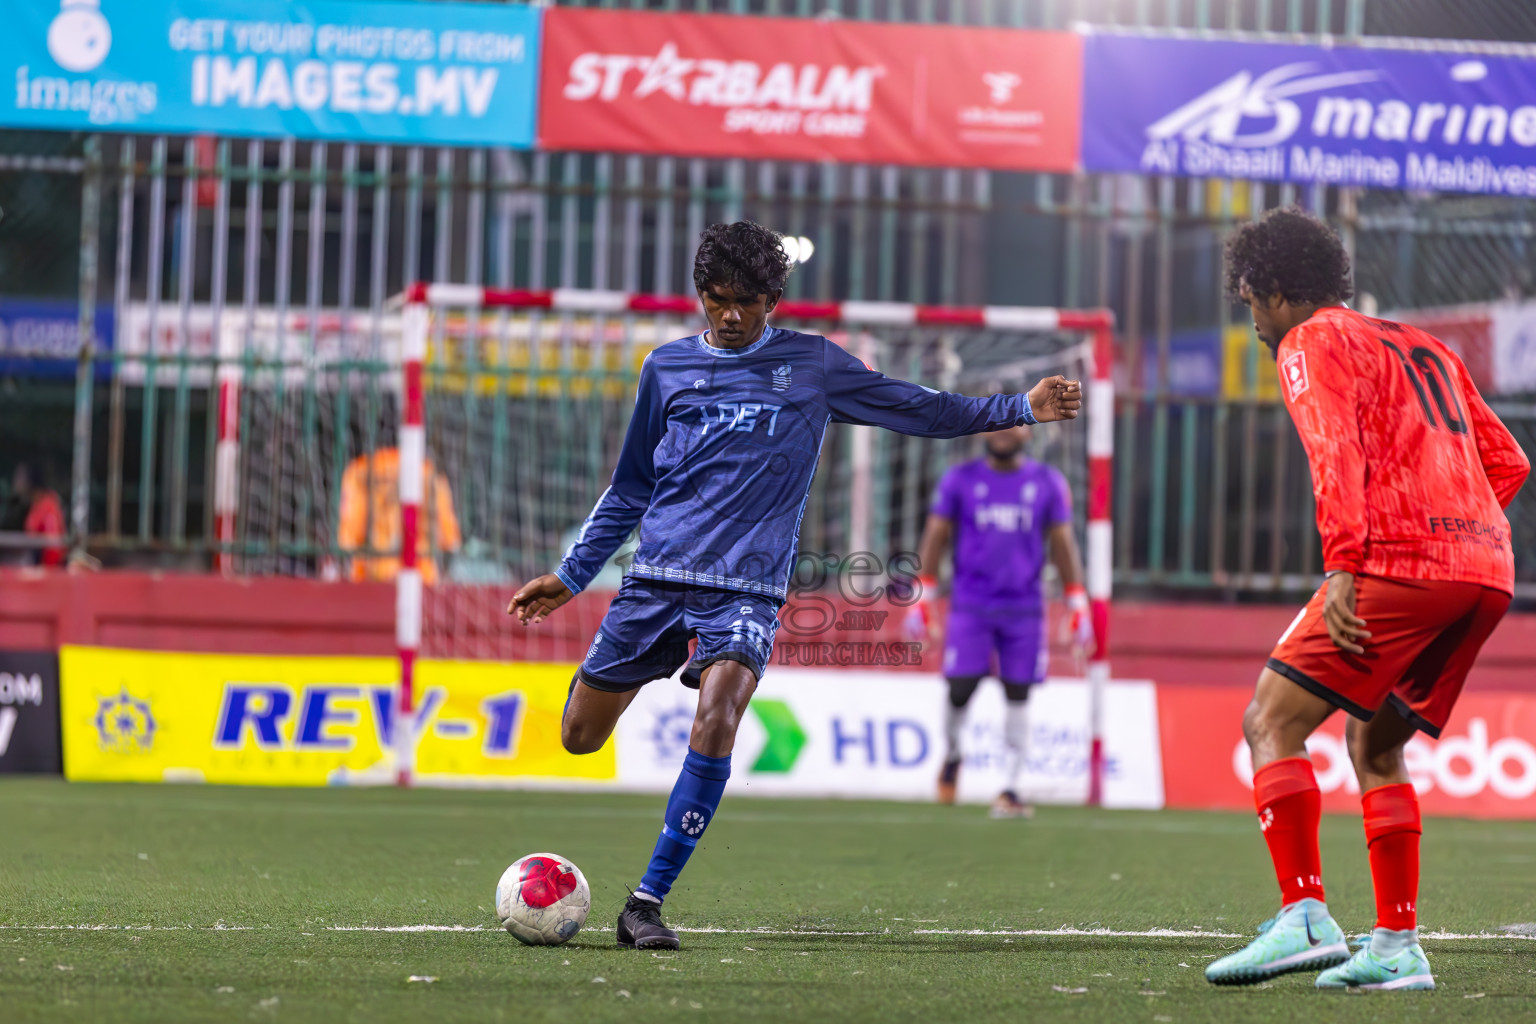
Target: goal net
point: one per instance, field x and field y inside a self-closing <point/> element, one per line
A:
<point x="521" y="401"/>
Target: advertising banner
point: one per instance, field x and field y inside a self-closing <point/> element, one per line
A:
<point x="1449" y="122"/>
<point x="41" y="337"/>
<point x="439" y="73"/>
<point x="1467" y="330"/>
<point x="1483" y="765"/>
<point x="1514" y="346"/>
<point x="802" y="89"/>
<point x="1194" y="363"/>
<point x="1247" y="367"/>
<point x="881" y="734"/>
<point x="29" y="712"/>
<point x="295" y="721"/>
<point x="274" y="720"/>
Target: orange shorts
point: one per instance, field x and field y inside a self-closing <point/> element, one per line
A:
<point x="1425" y="635"/>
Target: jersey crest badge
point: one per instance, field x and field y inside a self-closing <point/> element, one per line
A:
<point x="781" y="379"/>
<point x="1294" y="372"/>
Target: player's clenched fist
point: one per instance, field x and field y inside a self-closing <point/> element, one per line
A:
<point x="537" y="598"/>
<point x="1056" y="398"/>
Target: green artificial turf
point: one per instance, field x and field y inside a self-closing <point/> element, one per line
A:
<point x="224" y="903"/>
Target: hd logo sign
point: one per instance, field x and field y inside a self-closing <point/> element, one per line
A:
<point x="150" y="716"/>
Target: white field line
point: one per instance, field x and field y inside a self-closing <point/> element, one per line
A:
<point x="408" y="928"/>
<point x="685" y="929"/>
<point x="220" y="927"/>
<point x="1151" y="933"/>
<point x="1477" y="935"/>
<point x="771" y="931"/>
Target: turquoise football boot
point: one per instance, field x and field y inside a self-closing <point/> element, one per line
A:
<point x="1386" y="960"/>
<point x="1302" y="937"/>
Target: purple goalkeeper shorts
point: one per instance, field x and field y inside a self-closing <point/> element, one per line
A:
<point x="1007" y="644"/>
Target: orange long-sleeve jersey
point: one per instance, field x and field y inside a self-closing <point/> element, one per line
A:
<point x="1411" y="469"/>
<point x="381" y="506"/>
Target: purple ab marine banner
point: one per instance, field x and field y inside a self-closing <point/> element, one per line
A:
<point x="1449" y="122"/>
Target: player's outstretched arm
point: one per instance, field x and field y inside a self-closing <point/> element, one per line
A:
<point x="857" y="394"/>
<point x="535" y="599"/>
<point x="1056" y="398"/>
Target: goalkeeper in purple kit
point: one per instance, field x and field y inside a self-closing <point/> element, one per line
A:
<point x="1005" y="515"/>
<point x="715" y="469"/>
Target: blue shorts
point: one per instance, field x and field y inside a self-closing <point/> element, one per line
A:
<point x="645" y="634"/>
<point x="1015" y="638"/>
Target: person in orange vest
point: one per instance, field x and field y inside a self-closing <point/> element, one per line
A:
<point x="44" y="512"/>
<point x="370" y="496"/>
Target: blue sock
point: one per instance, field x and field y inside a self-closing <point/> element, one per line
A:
<point x="689" y="810"/>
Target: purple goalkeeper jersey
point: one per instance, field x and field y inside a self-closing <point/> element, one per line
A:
<point x="1001" y="521"/>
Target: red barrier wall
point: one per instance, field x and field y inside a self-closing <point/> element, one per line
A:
<point x="1203" y="644"/>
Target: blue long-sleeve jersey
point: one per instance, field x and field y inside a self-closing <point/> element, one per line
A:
<point x="718" y="458"/>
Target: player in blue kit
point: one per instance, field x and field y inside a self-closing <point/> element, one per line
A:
<point x="715" y="469"/>
<point x="1005" y="514"/>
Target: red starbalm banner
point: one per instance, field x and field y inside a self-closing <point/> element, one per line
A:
<point x="798" y="89"/>
<point x="1482" y="766"/>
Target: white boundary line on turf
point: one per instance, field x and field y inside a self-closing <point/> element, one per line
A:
<point x="129" y="927"/>
<point x="482" y="928"/>
<point x="771" y="931"/>
<point x="408" y="928"/>
<point x="1174" y="933"/>
<point x="1151" y="933"/>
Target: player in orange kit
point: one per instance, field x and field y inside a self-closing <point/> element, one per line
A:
<point x="1412" y="473"/>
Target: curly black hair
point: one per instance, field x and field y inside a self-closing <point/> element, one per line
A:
<point x="745" y="255"/>
<point x="1289" y="253"/>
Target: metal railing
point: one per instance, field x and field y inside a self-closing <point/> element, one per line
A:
<point x="174" y="234"/>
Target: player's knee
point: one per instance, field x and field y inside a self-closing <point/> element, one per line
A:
<point x="579" y="740"/>
<point x="723" y="701"/>
<point x="714" y="726"/>
<point x="1260" y="727"/>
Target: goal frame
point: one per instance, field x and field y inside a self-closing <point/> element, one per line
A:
<point x="417" y="302"/>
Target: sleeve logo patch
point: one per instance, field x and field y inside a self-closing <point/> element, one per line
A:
<point x="1294" y="372"/>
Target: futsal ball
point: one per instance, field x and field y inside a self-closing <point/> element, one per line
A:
<point x="543" y="899"/>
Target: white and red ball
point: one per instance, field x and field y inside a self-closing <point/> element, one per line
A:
<point x="543" y="899"/>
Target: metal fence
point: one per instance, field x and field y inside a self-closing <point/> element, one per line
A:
<point x="176" y="235"/>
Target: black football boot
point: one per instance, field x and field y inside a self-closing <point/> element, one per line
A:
<point x="640" y="926"/>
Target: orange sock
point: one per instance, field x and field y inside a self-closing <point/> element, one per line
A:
<point x="1290" y="807"/>
<point x="1392" y="828"/>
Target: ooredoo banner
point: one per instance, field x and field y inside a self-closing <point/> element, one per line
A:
<point x="1449" y="122"/>
<point x="446" y="73"/>
<point x="801" y="89"/>
<point x="1483" y="765"/>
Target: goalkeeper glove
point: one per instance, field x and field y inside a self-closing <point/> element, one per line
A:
<point x="1079" y="617"/>
<point x="919" y="621"/>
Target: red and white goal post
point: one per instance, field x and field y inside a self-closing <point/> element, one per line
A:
<point x="422" y="305"/>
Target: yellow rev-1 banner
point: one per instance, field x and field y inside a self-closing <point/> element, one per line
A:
<point x="309" y="721"/>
